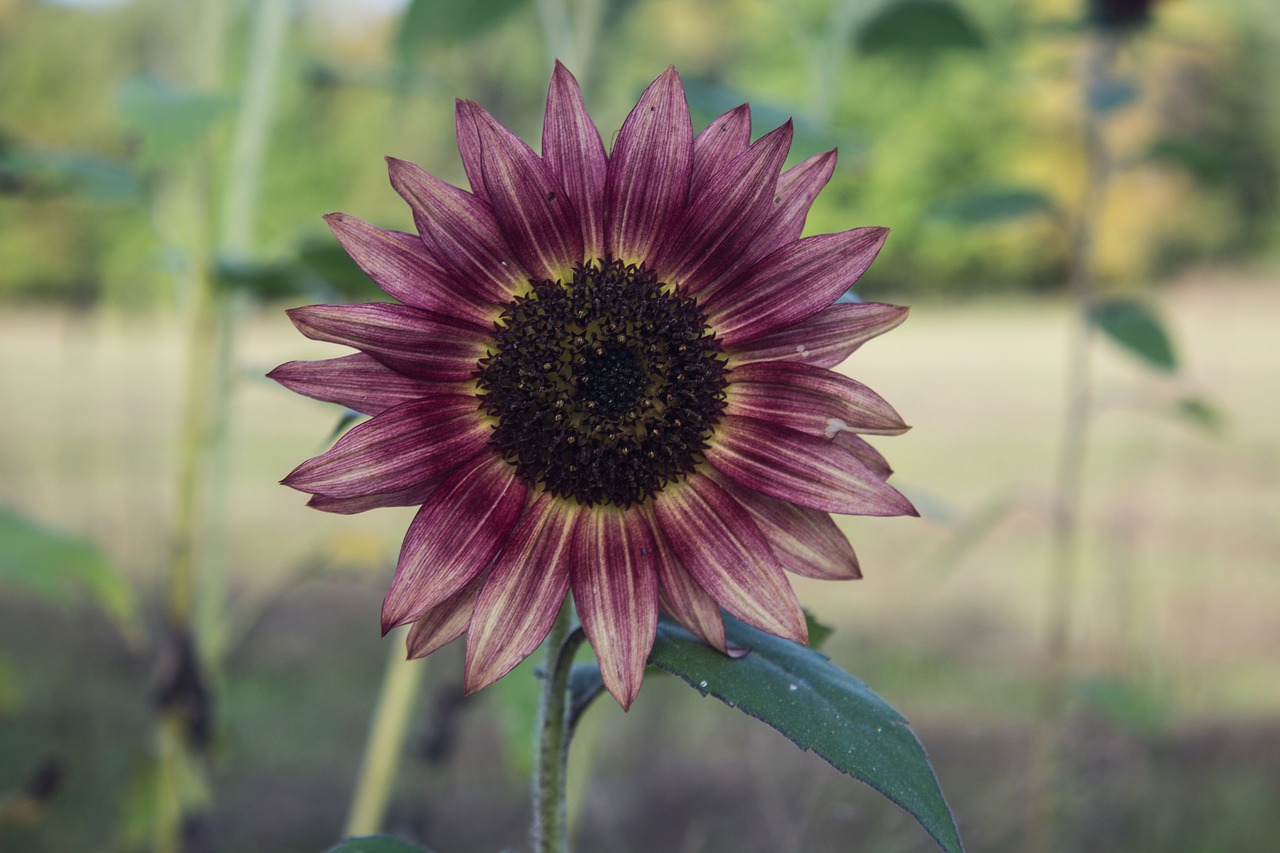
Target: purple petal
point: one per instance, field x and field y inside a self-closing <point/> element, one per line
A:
<point x="682" y="598"/>
<point x="825" y="339"/>
<point x="728" y="556"/>
<point x="571" y="147"/>
<point x="453" y="537"/>
<point x="721" y="221"/>
<point x="524" y="592"/>
<point x="461" y="231"/>
<point x="537" y="217"/>
<point x="469" y="147"/>
<point x="797" y="188"/>
<point x="810" y="471"/>
<point x="414" y="495"/>
<point x="792" y="284"/>
<point x="614" y="577"/>
<point x="867" y="454"/>
<point x="402" y="266"/>
<point x="805" y="541"/>
<point x="417" y="343"/>
<point x="648" y="180"/>
<point x="812" y="400"/>
<point x="721" y="141"/>
<point x="356" y="381"/>
<point x="445" y="622"/>
<point x="399" y="449"/>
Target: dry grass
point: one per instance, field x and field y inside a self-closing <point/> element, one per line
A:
<point x="1178" y="590"/>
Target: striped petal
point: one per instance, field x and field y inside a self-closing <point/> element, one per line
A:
<point x="615" y="589"/>
<point x="867" y="454"/>
<point x="682" y="598"/>
<point x="803" y="469"/>
<point x="469" y="147"/>
<point x="453" y="537"/>
<point x="402" y="266"/>
<point x="417" y="343"/>
<point x="728" y="556"/>
<point x="648" y="180"/>
<point x="792" y="284"/>
<point x="805" y="541"/>
<point x="825" y="339"/>
<point x="812" y="400"/>
<point x="399" y="449"/>
<point x="537" y="217"/>
<point x="723" y="217"/>
<point x="524" y="592"/>
<point x="414" y="495"/>
<point x="571" y="147"/>
<point x="462" y="232"/>
<point x="357" y="381"/>
<point x="797" y="188"/>
<point x="721" y="141"/>
<point x="445" y="622"/>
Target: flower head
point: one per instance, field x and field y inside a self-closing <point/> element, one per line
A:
<point x="609" y="374"/>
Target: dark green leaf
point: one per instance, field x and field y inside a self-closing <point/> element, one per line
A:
<point x="442" y="22"/>
<point x="585" y="686"/>
<point x="264" y="280"/>
<point x="55" y="566"/>
<point x="799" y="692"/>
<point x="166" y="118"/>
<point x="349" y="417"/>
<point x="1133" y="326"/>
<point x="1110" y="94"/>
<point x="991" y="205"/>
<point x="1125" y="703"/>
<point x="376" y="844"/>
<point x="1201" y="413"/>
<point x="818" y="633"/>
<point x="919" y="27"/>
<point x="100" y="179"/>
<point x="1206" y="163"/>
<point x="708" y="100"/>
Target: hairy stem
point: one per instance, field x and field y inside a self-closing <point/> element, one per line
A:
<point x="550" y="833"/>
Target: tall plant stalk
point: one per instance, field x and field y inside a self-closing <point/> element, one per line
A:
<point x="195" y="602"/>
<point x="1067" y="496"/>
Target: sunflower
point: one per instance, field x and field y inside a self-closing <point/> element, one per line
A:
<point x="606" y="374"/>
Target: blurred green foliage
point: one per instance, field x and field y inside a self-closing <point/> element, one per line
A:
<point x="957" y="124"/>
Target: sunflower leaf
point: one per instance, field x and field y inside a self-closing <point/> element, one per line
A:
<point x="376" y="844"/>
<point x="799" y="692"/>
<point x="919" y="27"/>
<point x="1137" y="329"/>
<point x="55" y="566"/>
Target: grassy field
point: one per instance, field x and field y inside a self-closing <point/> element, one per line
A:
<point x="1175" y="723"/>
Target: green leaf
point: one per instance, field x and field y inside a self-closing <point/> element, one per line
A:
<point x="799" y="692"/>
<point x="585" y="686"/>
<point x="55" y="566"/>
<point x="167" y="119"/>
<point x="95" y="178"/>
<point x="1133" y="326"/>
<point x="1207" y="163"/>
<point x="445" y="22"/>
<point x="1111" y="94"/>
<point x="919" y="27"/>
<point x="1201" y="413"/>
<point x="992" y="205"/>
<point x="376" y="844"/>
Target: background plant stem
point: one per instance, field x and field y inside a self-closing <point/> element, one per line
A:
<point x="1046" y="801"/>
<point x="385" y="745"/>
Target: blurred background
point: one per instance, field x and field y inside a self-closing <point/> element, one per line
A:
<point x="1082" y="627"/>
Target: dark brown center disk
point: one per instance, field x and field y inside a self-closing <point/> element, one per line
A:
<point x="605" y="388"/>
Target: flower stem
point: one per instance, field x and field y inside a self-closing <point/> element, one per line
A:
<point x="385" y="745"/>
<point x="550" y="833"/>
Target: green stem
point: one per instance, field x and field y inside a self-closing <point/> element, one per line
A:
<point x="550" y="832"/>
<point x="387" y="733"/>
<point x="1065" y="543"/>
